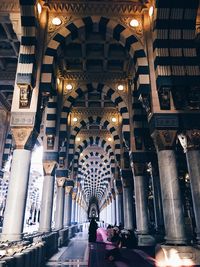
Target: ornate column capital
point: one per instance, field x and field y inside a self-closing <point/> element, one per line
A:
<point x="68" y="189"/>
<point x="164" y="139"/>
<point x="49" y="167"/>
<point x="118" y="187"/>
<point x="74" y="195"/>
<point x="139" y="169"/>
<point x="23" y="137"/>
<point x="113" y="193"/>
<point x="190" y="140"/>
<point x="127" y="178"/>
<point x="60" y="181"/>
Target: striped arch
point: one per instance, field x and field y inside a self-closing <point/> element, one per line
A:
<point x="26" y="68"/>
<point x="114" y="96"/>
<point x="175" y="54"/>
<point x="93" y="176"/>
<point x="51" y="116"/>
<point x="112" y="29"/>
<point x="100" y="121"/>
<point x="89" y="142"/>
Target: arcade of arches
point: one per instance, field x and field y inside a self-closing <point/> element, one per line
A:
<point x="111" y="91"/>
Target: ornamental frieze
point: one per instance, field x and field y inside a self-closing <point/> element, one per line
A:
<point x="96" y="7"/>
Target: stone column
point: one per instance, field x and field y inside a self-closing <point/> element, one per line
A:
<point x="59" y="203"/>
<point x="114" y="221"/>
<point x="68" y="204"/>
<point x="47" y="196"/>
<point x="73" y="206"/>
<point x="141" y="204"/>
<point x="127" y="182"/>
<point x="119" y="202"/>
<point x="171" y="198"/>
<point x="158" y="209"/>
<point x="18" y="187"/>
<point x="191" y="145"/>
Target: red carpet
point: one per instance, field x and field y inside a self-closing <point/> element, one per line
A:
<point x="124" y="257"/>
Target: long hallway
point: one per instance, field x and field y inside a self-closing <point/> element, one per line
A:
<point x="74" y="255"/>
<point x="80" y="253"/>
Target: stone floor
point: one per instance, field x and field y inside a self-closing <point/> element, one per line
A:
<point x="76" y="254"/>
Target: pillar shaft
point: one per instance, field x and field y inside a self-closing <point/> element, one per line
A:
<point x="73" y="211"/>
<point x="47" y="204"/>
<point x="17" y="193"/>
<point x="193" y="162"/>
<point x="68" y="209"/>
<point x="59" y="208"/>
<point x="141" y="194"/>
<point x="159" y="221"/>
<point x="171" y="199"/>
<point x="128" y="208"/>
<point x="119" y="205"/>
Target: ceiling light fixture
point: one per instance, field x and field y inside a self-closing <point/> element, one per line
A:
<point x="114" y="119"/>
<point x="81" y="154"/>
<point x="78" y="139"/>
<point x="120" y="87"/>
<point x="56" y="21"/>
<point x="58" y="81"/>
<point x="75" y="119"/>
<point x="109" y="139"/>
<point x="151" y="9"/>
<point x="69" y="86"/>
<point x="134" y="23"/>
<point x="39" y="8"/>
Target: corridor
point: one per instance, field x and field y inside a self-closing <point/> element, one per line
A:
<point x="81" y="253"/>
<point x="74" y="255"/>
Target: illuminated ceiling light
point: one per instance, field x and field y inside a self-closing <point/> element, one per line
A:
<point x="134" y="23"/>
<point x="151" y="11"/>
<point x="58" y="81"/>
<point x="39" y="8"/>
<point x="75" y="119"/>
<point x="81" y="154"/>
<point x="56" y="21"/>
<point x="120" y="87"/>
<point x="109" y="139"/>
<point x="114" y="119"/>
<point x="78" y="139"/>
<point x="69" y="86"/>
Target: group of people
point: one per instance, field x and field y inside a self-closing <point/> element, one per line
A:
<point x="116" y="234"/>
<point x="121" y="237"/>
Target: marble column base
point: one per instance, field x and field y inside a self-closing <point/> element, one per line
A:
<point x="189" y="254"/>
<point x="146" y="240"/>
<point x="11" y="237"/>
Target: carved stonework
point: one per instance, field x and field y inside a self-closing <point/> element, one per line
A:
<point x="74" y="195"/>
<point x="21" y="136"/>
<point x="164" y="139"/>
<point x="88" y="77"/>
<point x="53" y="29"/>
<point x="48" y="167"/>
<point x="9" y="6"/>
<point x="139" y="168"/>
<point x="127" y="182"/>
<point x="137" y="31"/>
<point x="24" y="95"/>
<point x="68" y="190"/>
<point x="112" y="8"/>
<point x="193" y="139"/>
<point x="60" y="181"/>
<point x="22" y="118"/>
